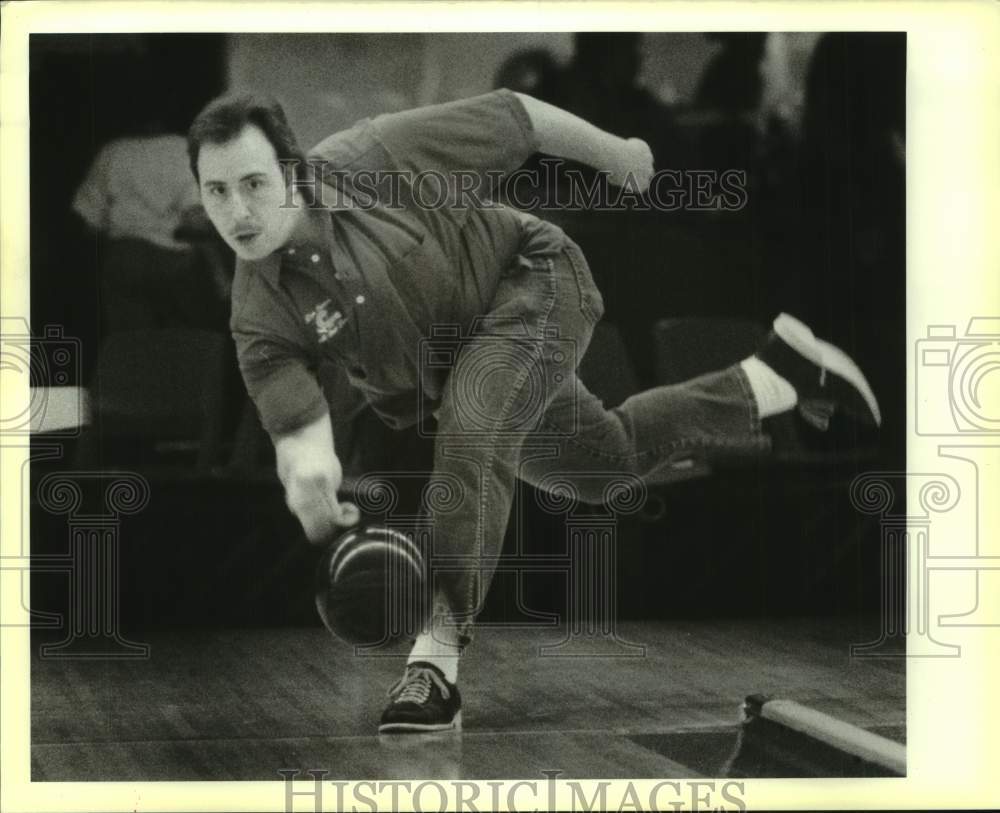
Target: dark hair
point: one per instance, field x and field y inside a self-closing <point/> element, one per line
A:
<point x="224" y="118"/>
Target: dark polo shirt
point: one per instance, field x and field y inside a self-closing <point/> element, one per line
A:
<point x="360" y="287"/>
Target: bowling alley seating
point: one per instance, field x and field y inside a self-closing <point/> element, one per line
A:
<point x="158" y="402"/>
<point x="779" y="528"/>
<point x="689" y="347"/>
<point x="606" y="368"/>
<point x="684" y="348"/>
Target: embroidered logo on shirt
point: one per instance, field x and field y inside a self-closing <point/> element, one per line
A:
<point x="327" y="324"/>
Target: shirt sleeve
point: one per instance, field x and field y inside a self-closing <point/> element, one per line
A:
<point x="491" y="132"/>
<point x="279" y="374"/>
<point x="279" y="381"/>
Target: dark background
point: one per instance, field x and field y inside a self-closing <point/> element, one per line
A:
<point x="822" y="236"/>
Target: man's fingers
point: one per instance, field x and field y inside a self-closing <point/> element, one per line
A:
<point x="634" y="169"/>
<point x="350" y="514"/>
<point x="643" y="163"/>
<point x="343" y="514"/>
<point x="320" y="513"/>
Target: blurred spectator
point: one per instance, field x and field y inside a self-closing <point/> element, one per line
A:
<point x="783" y="73"/>
<point x="602" y="86"/>
<point x="134" y="198"/>
<point x="852" y="224"/>
<point x="732" y="82"/>
<point x="852" y="163"/>
<point x="728" y="100"/>
<point x="533" y="71"/>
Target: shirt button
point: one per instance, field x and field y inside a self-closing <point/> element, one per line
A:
<point x="315" y="258"/>
<point x="360" y="299"/>
<point x="291" y="251"/>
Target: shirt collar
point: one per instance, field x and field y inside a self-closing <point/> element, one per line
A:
<point x="312" y="237"/>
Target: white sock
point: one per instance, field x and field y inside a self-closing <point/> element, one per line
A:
<point x="772" y="393"/>
<point x="439" y="645"/>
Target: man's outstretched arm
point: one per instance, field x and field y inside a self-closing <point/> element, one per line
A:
<point x="565" y="135"/>
<point x="310" y="471"/>
<point x="498" y="131"/>
<point x="294" y="410"/>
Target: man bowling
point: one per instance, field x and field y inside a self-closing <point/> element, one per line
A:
<point x="363" y="282"/>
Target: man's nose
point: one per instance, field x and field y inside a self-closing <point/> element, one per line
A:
<point x="240" y="210"/>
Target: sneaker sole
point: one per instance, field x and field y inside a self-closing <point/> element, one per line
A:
<point x="403" y="728"/>
<point x="832" y="359"/>
<point x="837" y="362"/>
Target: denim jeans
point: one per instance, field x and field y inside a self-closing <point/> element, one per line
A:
<point x="513" y="407"/>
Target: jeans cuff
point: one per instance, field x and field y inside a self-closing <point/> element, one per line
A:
<point x="753" y="409"/>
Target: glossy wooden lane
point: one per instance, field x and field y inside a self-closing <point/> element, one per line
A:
<point x="242" y="704"/>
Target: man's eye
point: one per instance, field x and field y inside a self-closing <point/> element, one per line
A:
<point x="256" y="184"/>
<point x="217" y="191"/>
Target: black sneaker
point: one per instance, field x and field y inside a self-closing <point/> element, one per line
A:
<point x="422" y="701"/>
<point x="824" y="376"/>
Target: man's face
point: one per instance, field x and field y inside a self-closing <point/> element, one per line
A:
<point x="243" y="191"/>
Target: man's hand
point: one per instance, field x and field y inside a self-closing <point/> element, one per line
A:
<point x="631" y="165"/>
<point x="628" y="162"/>
<point x="311" y="474"/>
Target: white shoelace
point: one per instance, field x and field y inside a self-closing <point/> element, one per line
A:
<point x="415" y="686"/>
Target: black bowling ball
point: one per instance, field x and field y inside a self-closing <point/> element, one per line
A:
<point x="370" y="586"/>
